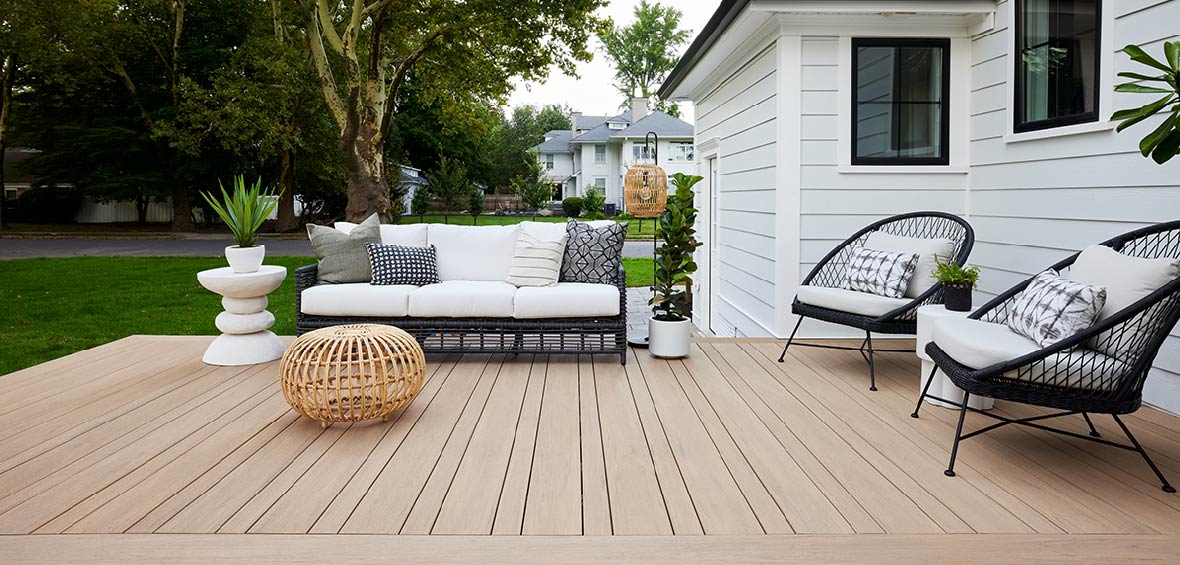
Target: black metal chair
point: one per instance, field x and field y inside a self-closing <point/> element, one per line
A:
<point x="831" y="272"/>
<point x="1050" y="377"/>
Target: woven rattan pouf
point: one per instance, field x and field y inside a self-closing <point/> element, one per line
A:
<point x="352" y="373"/>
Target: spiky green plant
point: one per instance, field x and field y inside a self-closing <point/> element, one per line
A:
<point x="674" y="262"/>
<point x="244" y="210"/>
<point x="1163" y="142"/>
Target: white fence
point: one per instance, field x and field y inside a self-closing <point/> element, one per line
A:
<point x="93" y="212"/>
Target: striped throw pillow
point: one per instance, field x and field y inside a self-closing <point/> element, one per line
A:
<point x="536" y="262"/>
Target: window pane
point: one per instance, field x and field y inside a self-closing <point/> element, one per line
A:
<point x="899" y="102"/>
<point x="1058" y="58"/>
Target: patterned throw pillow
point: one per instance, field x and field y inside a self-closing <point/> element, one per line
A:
<point x="592" y="255"/>
<point x="399" y="264"/>
<point x="1052" y="308"/>
<point x="883" y="273"/>
<point x="536" y="262"/>
<point x="342" y="256"/>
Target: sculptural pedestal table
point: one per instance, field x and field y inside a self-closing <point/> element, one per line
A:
<point x="245" y="324"/>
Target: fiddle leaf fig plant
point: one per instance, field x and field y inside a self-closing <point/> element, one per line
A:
<point x="1163" y="142"/>
<point x="674" y="261"/>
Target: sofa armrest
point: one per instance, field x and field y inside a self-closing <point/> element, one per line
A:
<point x="621" y="282"/>
<point x="305" y="278"/>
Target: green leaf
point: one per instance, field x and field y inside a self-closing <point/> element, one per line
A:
<point x="1172" y="52"/>
<point x="1140" y="56"/>
<point x="1167" y="148"/>
<point x="1139" y="88"/>
<point x="1146" y="112"/>
<point x="1125" y="114"/>
<point x="1137" y="76"/>
<point x="1154" y="138"/>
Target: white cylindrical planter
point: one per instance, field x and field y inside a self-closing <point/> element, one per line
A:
<point x="668" y="339"/>
<point x="245" y="259"/>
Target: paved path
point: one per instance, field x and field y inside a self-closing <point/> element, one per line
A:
<point x="24" y="248"/>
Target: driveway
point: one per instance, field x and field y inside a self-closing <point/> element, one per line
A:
<point x="25" y="248"/>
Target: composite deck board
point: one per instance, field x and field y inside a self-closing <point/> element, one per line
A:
<point x="139" y="437"/>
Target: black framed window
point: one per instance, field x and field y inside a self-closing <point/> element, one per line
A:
<point x="900" y="111"/>
<point x="1057" y="42"/>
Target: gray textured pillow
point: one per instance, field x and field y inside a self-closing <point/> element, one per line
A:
<point x="592" y="255"/>
<point x="344" y="257"/>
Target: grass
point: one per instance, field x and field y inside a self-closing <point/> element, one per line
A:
<point x="54" y="307"/>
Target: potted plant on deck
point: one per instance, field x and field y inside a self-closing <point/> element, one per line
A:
<point x="957" y="284"/>
<point x="670" y="326"/>
<point x="244" y="211"/>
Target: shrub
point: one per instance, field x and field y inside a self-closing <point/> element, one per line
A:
<point x="572" y="206"/>
<point x="592" y="204"/>
<point x="624" y="217"/>
<point x="50" y="205"/>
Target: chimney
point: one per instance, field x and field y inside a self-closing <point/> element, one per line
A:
<point x="574" y="123"/>
<point x="638" y="108"/>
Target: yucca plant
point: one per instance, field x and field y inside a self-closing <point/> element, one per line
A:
<point x="1163" y="143"/>
<point x="244" y="210"/>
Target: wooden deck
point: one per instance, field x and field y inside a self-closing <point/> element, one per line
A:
<point x="140" y="437"/>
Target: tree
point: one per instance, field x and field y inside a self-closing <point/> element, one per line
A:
<point x="450" y="185"/>
<point x="643" y="52"/>
<point x="1163" y="142"/>
<point x="534" y="191"/>
<point x="475" y="203"/>
<point x="420" y="202"/>
<point x="365" y="50"/>
<point x="524" y="128"/>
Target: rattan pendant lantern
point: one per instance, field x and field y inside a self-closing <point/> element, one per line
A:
<point x="645" y="186"/>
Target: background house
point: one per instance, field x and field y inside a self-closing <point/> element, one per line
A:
<point x="597" y="150"/>
<point x="956" y="109"/>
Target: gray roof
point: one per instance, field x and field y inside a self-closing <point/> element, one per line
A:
<point x="556" y="141"/>
<point x="588" y="122"/>
<point x="602" y="132"/>
<point x="659" y="122"/>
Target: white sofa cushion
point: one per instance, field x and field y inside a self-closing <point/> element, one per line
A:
<point x="473" y="253"/>
<point x="977" y="344"/>
<point x="544" y="231"/>
<point x="566" y="300"/>
<point x="356" y="299"/>
<point x="851" y="301"/>
<point x="463" y="299"/>
<point x="409" y="235"/>
<point x="926" y="250"/>
<point x="1126" y="279"/>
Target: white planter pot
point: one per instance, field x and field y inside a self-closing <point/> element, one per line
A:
<point x="668" y="339"/>
<point x="245" y="259"/>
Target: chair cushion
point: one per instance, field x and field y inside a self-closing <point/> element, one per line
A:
<point x="1126" y="279"/>
<point x="342" y="256"/>
<point x="880" y="272"/>
<point x="409" y="235"/>
<point x="536" y="261"/>
<point x="473" y="253"/>
<point x="463" y="299"/>
<point x="356" y="299"/>
<point x="401" y="264"/>
<point x="926" y="249"/>
<point x="851" y="301"/>
<point x="1052" y="308"/>
<point x="566" y="300"/>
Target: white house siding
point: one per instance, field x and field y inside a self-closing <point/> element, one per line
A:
<point x="1034" y="202"/>
<point x="563" y="165"/>
<point x="740" y="115"/>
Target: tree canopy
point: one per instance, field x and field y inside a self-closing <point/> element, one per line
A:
<point x="644" y="52"/>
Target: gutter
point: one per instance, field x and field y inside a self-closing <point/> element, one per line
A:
<point x="725" y="14"/>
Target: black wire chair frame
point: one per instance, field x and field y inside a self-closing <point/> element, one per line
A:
<point x="831" y="272"/>
<point x="1044" y="377"/>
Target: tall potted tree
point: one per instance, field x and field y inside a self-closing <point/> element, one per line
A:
<point x="244" y="211"/>
<point x="670" y="326"/>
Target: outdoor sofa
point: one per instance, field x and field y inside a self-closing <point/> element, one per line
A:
<point x="472" y="309"/>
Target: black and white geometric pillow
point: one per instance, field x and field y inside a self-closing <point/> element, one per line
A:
<point x="399" y="264"/>
<point x="1051" y="308"/>
<point x="593" y="255"/>
<point x="883" y="273"/>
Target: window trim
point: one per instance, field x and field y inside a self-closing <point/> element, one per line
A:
<point x="945" y="142"/>
<point x="594" y="184"/>
<point x="1018" y="77"/>
<point x="596" y="147"/>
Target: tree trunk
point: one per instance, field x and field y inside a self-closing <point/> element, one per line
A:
<point x="141" y="207"/>
<point x="182" y="209"/>
<point x="7" y="77"/>
<point x="368" y="191"/>
<point x="287" y="221"/>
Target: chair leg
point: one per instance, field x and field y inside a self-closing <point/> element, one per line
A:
<point x="950" y="469"/>
<point x="783" y="357"/>
<point x="872" y="369"/>
<point x="1167" y="487"/>
<point x="925" y="389"/>
<point x="1093" y="430"/>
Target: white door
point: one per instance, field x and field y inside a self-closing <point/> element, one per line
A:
<point x="714" y="244"/>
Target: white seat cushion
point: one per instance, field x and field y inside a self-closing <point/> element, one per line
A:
<point x="566" y="300"/>
<point x="356" y="299"/>
<point x="473" y="253"/>
<point x="851" y="301"/>
<point x="926" y="250"/>
<point x="463" y="299"/>
<point x="410" y="235"/>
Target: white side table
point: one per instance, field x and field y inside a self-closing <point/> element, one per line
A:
<point x="942" y="387"/>
<point x="245" y="337"/>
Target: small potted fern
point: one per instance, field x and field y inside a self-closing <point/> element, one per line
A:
<point x="957" y="284"/>
<point x="244" y="211"/>
<point x="670" y="326"/>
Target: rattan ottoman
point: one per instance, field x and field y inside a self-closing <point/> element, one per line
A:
<point x="352" y="373"/>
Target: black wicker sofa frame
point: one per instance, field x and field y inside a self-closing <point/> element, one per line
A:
<point x="607" y="334"/>
<point x="1041" y="378"/>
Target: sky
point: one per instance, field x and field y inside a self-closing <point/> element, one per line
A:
<point x="592" y="92"/>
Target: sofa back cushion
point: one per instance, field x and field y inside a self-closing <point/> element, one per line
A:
<point x="1126" y="279"/>
<point x="343" y="257"/>
<point x="926" y="250"/>
<point x="409" y="235"/>
<point x="473" y="253"/>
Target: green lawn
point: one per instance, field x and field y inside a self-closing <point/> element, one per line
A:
<point x="53" y="307"/>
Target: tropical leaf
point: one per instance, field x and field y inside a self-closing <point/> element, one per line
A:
<point x="1139" y="88"/>
<point x="1137" y="76"/>
<point x="1147" y="111"/>
<point x="1172" y="52"/>
<point x="1167" y="148"/>
<point x="1153" y="139"/>
<point x="1140" y="56"/>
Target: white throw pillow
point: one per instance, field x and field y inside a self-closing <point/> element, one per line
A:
<point x="1052" y="308"/>
<point x="880" y="272"/>
<point x="1126" y="279"/>
<point x="926" y="249"/>
<point x="408" y="235"/>
<point x="536" y="262"/>
<point x="473" y="253"/>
